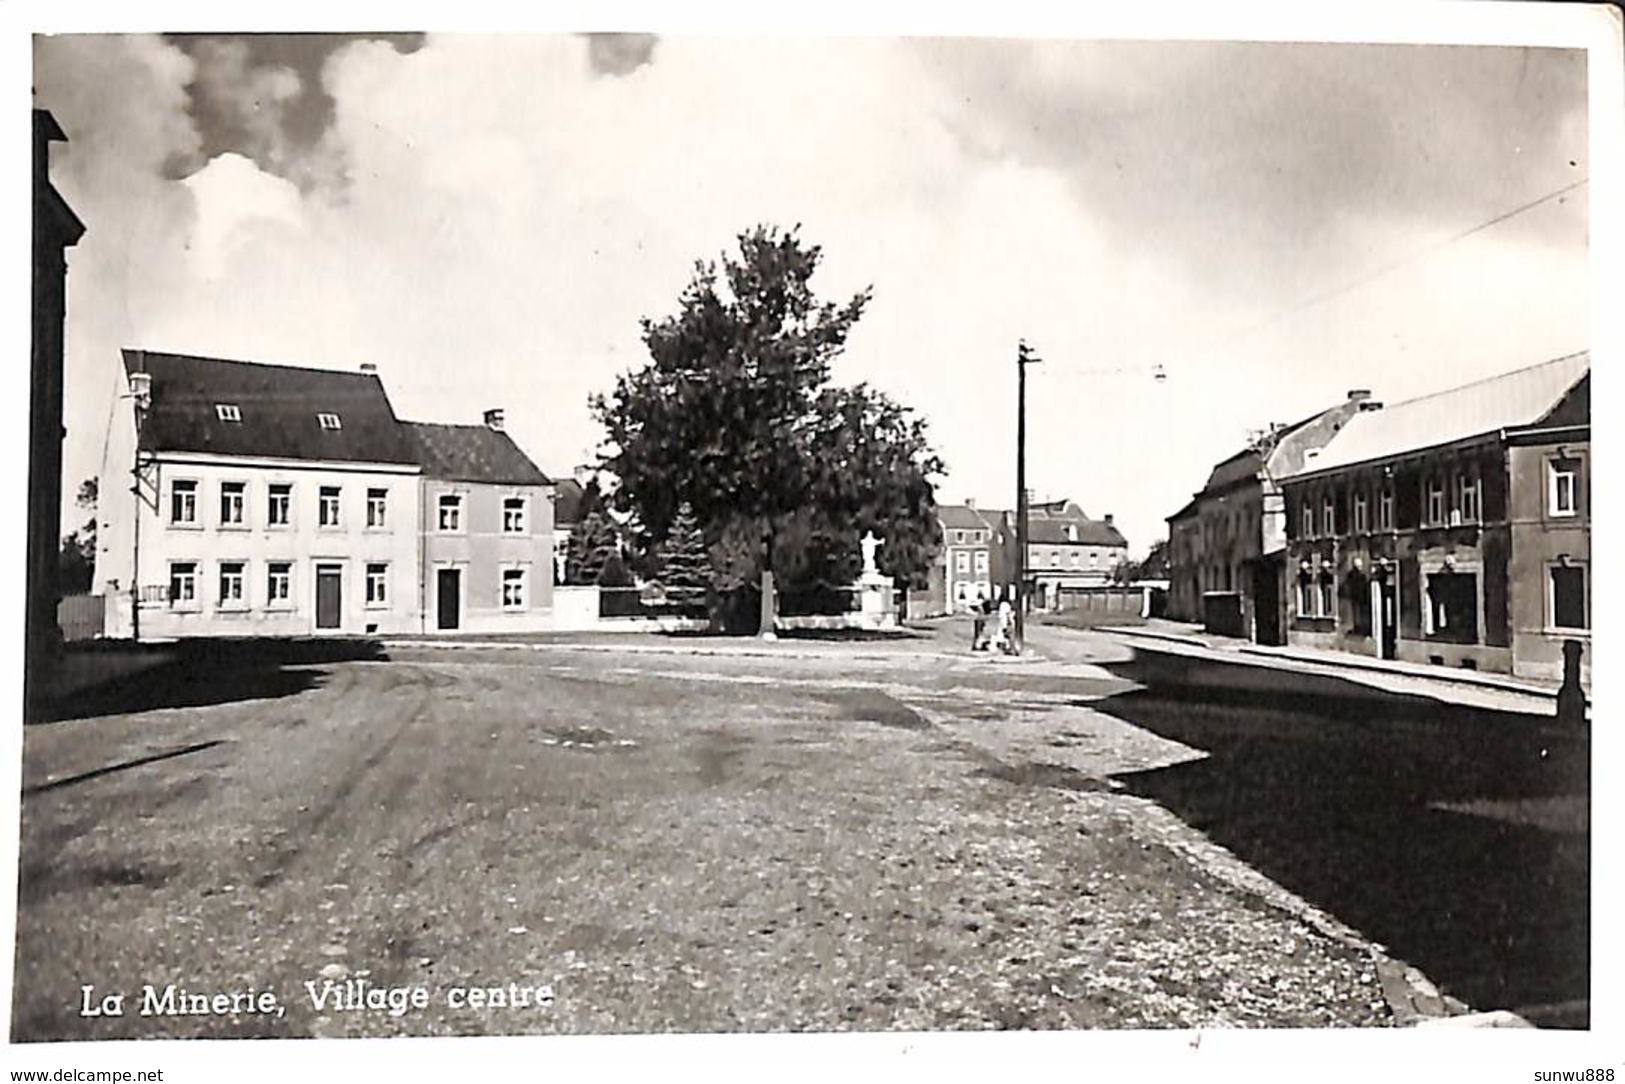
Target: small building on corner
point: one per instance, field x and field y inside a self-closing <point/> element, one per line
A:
<point x="487" y="559"/>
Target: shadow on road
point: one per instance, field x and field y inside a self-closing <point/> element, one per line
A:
<point x="195" y="673"/>
<point x="1457" y="837"/>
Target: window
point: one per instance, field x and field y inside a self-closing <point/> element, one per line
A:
<point x="513" y="589"/>
<point x="228" y="412"/>
<point x="182" y="583"/>
<point x="1451" y="610"/>
<point x="378" y="585"/>
<point x="1328" y="595"/>
<point x="1094" y="558"/>
<point x="377" y="507"/>
<point x="451" y="512"/>
<point x="1385" y="510"/>
<point x="232" y="496"/>
<point x="1307" y="525"/>
<point x="279" y="505"/>
<point x="1307" y="598"/>
<point x="959" y="537"/>
<point x="981" y="561"/>
<point x="231" y="583"/>
<point x="1435" y="505"/>
<point x="1358" y="589"/>
<point x="961" y="561"/>
<point x="183" y="501"/>
<point x="1467" y="497"/>
<point x="1569" y="597"/>
<point x="1562" y="492"/>
<point x="1328" y="514"/>
<point x="513" y="515"/>
<point x="329" y="421"/>
<point x="279" y="583"/>
<point x="327" y="507"/>
<point x="1361" y="514"/>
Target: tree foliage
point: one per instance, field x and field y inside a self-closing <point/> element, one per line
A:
<point x="76" y="560"/>
<point x="685" y="565"/>
<point x="592" y="545"/>
<point x="734" y="416"/>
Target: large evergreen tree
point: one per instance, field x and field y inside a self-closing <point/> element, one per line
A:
<point x="734" y="416"/>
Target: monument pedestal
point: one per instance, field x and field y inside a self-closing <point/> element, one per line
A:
<point x="877" y="601"/>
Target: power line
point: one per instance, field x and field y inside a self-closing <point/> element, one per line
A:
<point x="1346" y="287"/>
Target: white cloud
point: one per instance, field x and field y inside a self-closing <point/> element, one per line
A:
<point x="505" y="217"/>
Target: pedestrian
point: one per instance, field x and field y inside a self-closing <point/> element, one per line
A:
<point x="979" y="623"/>
<point x="1004" y="625"/>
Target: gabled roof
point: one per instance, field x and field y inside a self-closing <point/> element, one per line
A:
<point x="1484" y="407"/>
<point x="472" y="453"/>
<point x="962" y="517"/>
<point x="278" y="406"/>
<point x="567" y="497"/>
<point x="1090" y="532"/>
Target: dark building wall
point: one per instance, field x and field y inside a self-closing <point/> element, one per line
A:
<point x="54" y="229"/>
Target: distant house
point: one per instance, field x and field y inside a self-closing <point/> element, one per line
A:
<point x="487" y="558"/>
<point x="56" y="229"/>
<point x="962" y="571"/>
<point x="568" y="498"/>
<point x="1066" y="550"/>
<point x="1226" y="546"/>
<point x="1453" y="528"/>
<point x="273" y="500"/>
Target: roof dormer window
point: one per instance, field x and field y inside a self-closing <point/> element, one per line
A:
<point x="329" y="421"/>
<point x="228" y="412"/>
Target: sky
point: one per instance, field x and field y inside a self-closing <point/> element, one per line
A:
<point x="487" y="218"/>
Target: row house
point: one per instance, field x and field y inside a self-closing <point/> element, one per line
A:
<point x="1453" y="528"/>
<point x="1226" y="546"/>
<point x="1066" y="550"/>
<point x="270" y="500"/>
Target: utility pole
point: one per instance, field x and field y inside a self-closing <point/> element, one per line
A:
<point x="1024" y="358"/>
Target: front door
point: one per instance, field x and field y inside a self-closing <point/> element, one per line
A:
<point x="329" y="596"/>
<point x="448" y="595"/>
<point x="1386" y="607"/>
<point x="1267" y="603"/>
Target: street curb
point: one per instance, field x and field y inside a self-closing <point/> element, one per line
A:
<point x="1352" y="662"/>
<point x="696" y="651"/>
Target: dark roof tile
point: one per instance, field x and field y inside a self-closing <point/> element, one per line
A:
<point x="472" y="453"/>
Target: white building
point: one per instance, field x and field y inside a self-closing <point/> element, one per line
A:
<point x="242" y="499"/>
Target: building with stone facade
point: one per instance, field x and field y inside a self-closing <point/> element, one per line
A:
<point x="1226" y="546"/>
<point x="1453" y="528"/>
<point x="962" y="571"/>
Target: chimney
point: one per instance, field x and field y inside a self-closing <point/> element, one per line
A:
<point x="493" y="419"/>
<point x="1108" y="519"/>
<point x="141" y="390"/>
<point x="1370" y="404"/>
<point x="369" y="369"/>
<point x="1358" y="394"/>
<point x="970" y="502"/>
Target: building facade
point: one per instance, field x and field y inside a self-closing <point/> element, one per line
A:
<point x="1452" y="529"/>
<point x="1066" y="550"/>
<point x="488" y="549"/>
<point x="270" y="500"/>
<point x="963" y="569"/>
<point x="55" y="230"/>
<point x="1226" y="546"/>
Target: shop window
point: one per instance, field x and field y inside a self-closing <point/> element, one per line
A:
<point x="1569" y="597"/>
<point x="1451" y="607"/>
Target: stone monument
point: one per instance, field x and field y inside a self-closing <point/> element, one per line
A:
<point x="877" y="594"/>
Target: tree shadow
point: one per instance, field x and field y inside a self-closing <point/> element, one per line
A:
<point x="1457" y="837"/>
<point x="198" y="673"/>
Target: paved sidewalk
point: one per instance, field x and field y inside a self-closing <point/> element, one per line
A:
<point x="1465" y="687"/>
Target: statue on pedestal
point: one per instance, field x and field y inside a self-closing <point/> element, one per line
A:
<point x="869" y="543"/>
